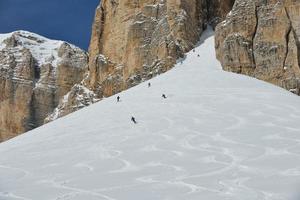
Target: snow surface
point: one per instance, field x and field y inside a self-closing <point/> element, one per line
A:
<point x="4" y="36"/>
<point x="44" y="50"/>
<point x="218" y="136"/>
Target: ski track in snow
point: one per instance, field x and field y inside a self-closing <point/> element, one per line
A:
<point x="218" y="136"/>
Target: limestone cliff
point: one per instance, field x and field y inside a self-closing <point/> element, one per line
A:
<point x="135" y="40"/>
<point x="144" y="38"/>
<point x="35" y="73"/>
<point x="261" y="39"/>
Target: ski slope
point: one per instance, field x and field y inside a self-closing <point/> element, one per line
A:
<point x="218" y="136"/>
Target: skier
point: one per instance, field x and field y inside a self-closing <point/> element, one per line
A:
<point x="149" y="84"/>
<point x="164" y="96"/>
<point x="118" y="99"/>
<point x="194" y="50"/>
<point x="198" y="55"/>
<point x="133" y="120"/>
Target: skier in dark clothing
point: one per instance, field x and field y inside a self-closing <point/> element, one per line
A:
<point x="149" y="84"/>
<point x="164" y="96"/>
<point x="198" y="55"/>
<point x="133" y="120"/>
<point x="118" y="99"/>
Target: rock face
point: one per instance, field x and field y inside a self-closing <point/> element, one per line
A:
<point x="217" y="10"/>
<point x="261" y="39"/>
<point x="135" y="40"/>
<point x="144" y="38"/>
<point x="35" y="73"/>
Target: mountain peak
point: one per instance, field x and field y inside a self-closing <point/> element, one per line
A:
<point x="35" y="73"/>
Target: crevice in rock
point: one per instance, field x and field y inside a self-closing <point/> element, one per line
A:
<point x="37" y="73"/>
<point x="287" y="38"/>
<point x="298" y="47"/>
<point x="10" y="78"/>
<point x="295" y="37"/>
<point x="254" y="35"/>
<point x="102" y="19"/>
<point x="100" y="33"/>
<point x="31" y="121"/>
<point x="157" y="11"/>
<point x="207" y="5"/>
<point x="199" y="16"/>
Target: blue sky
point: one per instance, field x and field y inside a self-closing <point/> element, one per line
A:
<point x="68" y="20"/>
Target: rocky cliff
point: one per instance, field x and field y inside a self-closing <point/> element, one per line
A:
<point x="35" y="73"/>
<point x="261" y="39"/>
<point x="144" y="38"/>
<point x="135" y="40"/>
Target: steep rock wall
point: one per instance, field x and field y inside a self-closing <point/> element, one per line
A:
<point x="261" y="39"/>
<point x="145" y="38"/>
<point x="35" y="73"/>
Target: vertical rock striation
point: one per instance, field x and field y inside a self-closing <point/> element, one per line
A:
<point x="35" y="73"/>
<point x="261" y="39"/>
<point x="144" y="38"/>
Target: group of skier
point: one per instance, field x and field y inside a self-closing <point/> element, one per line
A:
<point x="133" y="118"/>
<point x="149" y="85"/>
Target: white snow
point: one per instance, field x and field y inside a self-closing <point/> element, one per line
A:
<point x="44" y="50"/>
<point x="218" y="136"/>
<point x="2" y="38"/>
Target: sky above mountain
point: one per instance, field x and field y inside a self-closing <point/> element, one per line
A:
<point x="68" y="20"/>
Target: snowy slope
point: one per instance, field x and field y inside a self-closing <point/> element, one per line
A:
<point x="218" y="136"/>
<point x="44" y="50"/>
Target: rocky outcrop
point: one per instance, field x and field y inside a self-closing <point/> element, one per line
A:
<point x="261" y="39"/>
<point x="78" y="97"/>
<point x="35" y="73"/>
<point x="133" y="41"/>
